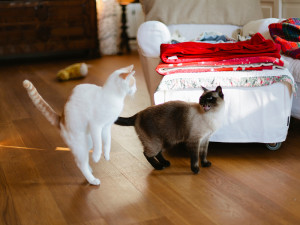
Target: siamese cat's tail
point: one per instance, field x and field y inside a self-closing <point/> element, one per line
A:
<point x="129" y="121"/>
<point x="41" y="104"/>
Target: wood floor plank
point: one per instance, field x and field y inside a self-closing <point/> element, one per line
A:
<point x="94" y="222"/>
<point x="9" y="136"/>
<point x="32" y="134"/>
<point x="67" y="185"/>
<point x="143" y="179"/>
<point x="9" y="215"/>
<point x="121" y="203"/>
<point x="207" y="199"/>
<point x="32" y="199"/>
<point x="250" y="199"/>
<point x="283" y="191"/>
<point x="11" y="108"/>
<point x="157" y="221"/>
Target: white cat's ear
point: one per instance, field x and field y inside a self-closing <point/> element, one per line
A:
<point x="125" y="75"/>
<point x="129" y="68"/>
<point x="126" y="71"/>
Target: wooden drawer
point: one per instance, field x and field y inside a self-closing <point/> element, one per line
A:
<point x="48" y="27"/>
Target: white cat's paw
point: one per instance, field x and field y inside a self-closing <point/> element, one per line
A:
<point x="96" y="157"/>
<point x="96" y="181"/>
<point x="106" y="156"/>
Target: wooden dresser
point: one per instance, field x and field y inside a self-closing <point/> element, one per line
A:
<point x="34" y="28"/>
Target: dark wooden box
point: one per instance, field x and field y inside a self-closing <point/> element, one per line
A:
<point x="43" y="28"/>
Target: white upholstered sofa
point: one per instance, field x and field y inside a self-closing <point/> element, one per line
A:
<point x="253" y="114"/>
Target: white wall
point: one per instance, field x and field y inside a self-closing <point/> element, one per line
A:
<point x="280" y="8"/>
<point x="290" y="8"/>
<point x="135" y="17"/>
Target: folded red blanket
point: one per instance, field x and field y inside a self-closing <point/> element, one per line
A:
<point x="196" y="51"/>
<point x="287" y="34"/>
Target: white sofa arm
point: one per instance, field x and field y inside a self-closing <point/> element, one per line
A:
<point x="150" y="36"/>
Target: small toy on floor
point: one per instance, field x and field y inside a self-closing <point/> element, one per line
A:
<point x="74" y="71"/>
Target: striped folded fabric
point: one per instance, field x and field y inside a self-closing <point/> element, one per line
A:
<point x="287" y="34"/>
<point x="236" y="64"/>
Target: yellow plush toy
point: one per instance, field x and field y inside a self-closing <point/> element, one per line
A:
<point x="74" y="71"/>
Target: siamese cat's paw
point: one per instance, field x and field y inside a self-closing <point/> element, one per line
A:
<point x="195" y="169"/>
<point x="206" y="164"/>
<point x="166" y="163"/>
<point x="159" y="167"/>
<point x="161" y="160"/>
<point x="154" y="162"/>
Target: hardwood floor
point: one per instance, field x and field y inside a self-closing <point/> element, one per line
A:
<point x="40" y="183"/>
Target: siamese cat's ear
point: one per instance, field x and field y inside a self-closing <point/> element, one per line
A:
<point x="204" y="89"/>
<point x="219" y="90"/>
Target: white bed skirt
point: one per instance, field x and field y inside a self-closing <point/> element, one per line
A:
<point x="256" y="114"/>
<point x="296" y="103"/>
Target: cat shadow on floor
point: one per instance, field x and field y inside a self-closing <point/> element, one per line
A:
<point x="179" y="156"/>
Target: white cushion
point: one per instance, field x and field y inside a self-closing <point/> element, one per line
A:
<point x="150" y="36"/>
<point x="192" y="31"/>
<point x="260" y="26"/>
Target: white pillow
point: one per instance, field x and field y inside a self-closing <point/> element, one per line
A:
<point x="193" y="31"/>
<point x="150" y="36"/>
<point x="260" y="26"/>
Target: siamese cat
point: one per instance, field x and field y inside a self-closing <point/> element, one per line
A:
<point x="174" y="122"/>
<point x="88" y="116"/>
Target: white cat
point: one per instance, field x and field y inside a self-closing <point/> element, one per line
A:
<point x="88" y="116"/>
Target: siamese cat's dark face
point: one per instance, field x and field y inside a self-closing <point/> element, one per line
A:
<point x="210" y="99"/>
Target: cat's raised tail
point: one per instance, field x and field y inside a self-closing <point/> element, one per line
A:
<point x="129" y="121"/>
<point x="41" y="104"/>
